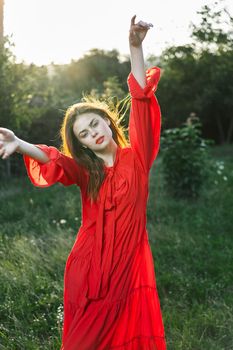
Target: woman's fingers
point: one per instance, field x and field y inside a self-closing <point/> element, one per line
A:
<point x="4" y="131"/>
<point x="2" y="151"/>
<point x="6" y="135"/>
<point x="133" y="20"/>
<point x="140" y="23"/>
<point x="145" y="24"/>
<point x="142" y="26"/>
<point x="6" y="139"/>
<point x="5" y="155"/>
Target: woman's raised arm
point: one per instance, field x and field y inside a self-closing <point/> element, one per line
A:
<point x="10" y="143"/>
<point x="145" y="115"/>
<point x="137" y="34"/>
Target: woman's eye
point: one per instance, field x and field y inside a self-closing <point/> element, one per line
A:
<point x="94" y="124"/>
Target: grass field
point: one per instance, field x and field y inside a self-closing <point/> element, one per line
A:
<point x="191" y="241"/>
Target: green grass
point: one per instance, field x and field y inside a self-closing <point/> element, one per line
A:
<point x="191" y="242"/>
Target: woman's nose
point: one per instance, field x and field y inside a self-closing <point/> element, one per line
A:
<point x="93" y="133"/>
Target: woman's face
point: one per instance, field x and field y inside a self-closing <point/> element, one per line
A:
<point x="89" y="127"/>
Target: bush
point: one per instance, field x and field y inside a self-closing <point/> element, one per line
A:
<point x="185" y="160"/>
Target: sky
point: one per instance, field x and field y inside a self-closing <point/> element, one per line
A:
<point x="45" y="31"/>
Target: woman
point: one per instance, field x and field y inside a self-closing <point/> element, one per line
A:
<point x="110" y="294"/>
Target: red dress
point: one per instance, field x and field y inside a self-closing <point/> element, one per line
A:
<point x="110" y="295"/>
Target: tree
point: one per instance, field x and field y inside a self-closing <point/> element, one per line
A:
<point x="214" y="38"/>
<point x="199" y="77"/>
<point x="89" y="72"/>
<point x="1" y="21"/>
<point x="214" y="34"/>
<point x="6" y="91"/>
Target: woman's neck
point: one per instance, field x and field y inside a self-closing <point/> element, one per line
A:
<point x="108" y="154"/>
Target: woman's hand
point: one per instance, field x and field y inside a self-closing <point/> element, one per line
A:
<point x="8" y="143"/>
<point x="138" y="32"/>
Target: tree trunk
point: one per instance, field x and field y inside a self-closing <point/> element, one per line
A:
<point x="8" y="167"/>
<point x="230" y="131"/>
<point x="220" y="129"/>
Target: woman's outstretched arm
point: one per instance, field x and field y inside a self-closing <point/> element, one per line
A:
<point x="10" y="143"/>
<point x="45" y="165"/>
<point x="137" y="34"/>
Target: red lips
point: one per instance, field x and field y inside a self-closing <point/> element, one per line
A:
<point x="100" y="139"/>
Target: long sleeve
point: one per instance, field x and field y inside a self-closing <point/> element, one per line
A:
<point x="59" y="168"/>
<point x="145" y="118"/>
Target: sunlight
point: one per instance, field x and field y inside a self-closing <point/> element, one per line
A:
<point x="57" y="31"/>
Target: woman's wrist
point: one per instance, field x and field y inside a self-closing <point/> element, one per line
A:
<point x="18" y="143"/>
<point x="135" y="47"/>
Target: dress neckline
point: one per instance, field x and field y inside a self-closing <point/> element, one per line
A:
<point x="115" y="161"/>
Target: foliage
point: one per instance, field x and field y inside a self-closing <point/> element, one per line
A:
<point x="7" y="63"/>
<point x="185" y="160"/>
<point x="34" y="242"/>
<point x="178" y="86"/>
<point x="33" y="97"/>
<point x="214" y="33"/>
<point x="198" y="77"/>
<point x="89" y="72"/>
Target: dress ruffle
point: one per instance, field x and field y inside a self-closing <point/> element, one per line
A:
<point x="59" y="168"/>
<point x="126" y="327"/>
<point x="152" y="79"/>
<point x="131" y="318"/>
<point x="143" y="332"/>
<point x="42" y="174"/>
